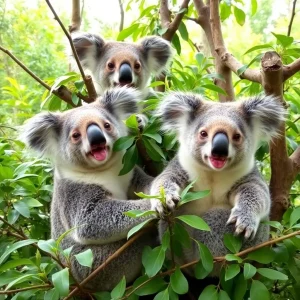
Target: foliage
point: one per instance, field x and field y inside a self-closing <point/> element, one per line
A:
<point x="29" y="258"/>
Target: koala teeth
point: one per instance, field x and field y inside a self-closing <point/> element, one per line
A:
<point x="218" y="162"/>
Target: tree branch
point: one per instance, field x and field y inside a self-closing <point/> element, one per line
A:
<point x="292" y="18"/>
<point x="122" y="15"/>
<point x="291" y="69"/>
<point x="295" y="159"/>
<point x="33" y="287"/>
<point x="87" y="79"/>
<point x="75" y="16"/>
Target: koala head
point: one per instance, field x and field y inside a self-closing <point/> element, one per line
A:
<point x="118" y="63"/>
<point x="83" y="137"/>
<point x="221" y="135"/>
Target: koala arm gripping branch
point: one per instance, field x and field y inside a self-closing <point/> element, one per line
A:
<point x="251" y="203"/>
<point x="173" y="179"/>
<point x="96" y="217"/>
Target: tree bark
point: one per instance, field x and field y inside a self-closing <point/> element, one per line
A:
<point x="75" y="17"/>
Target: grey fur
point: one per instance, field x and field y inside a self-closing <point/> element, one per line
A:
<point x="89" y="196"/>
<point x="239" y="197"/>
<point x="152" y="53"/>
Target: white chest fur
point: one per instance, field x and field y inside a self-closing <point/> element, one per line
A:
<point x="108" y="179"/>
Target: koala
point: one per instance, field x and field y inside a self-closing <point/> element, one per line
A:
<point x="217" y="145"/>
<point x="113" y="63"/>
<point x="89" y="196"/>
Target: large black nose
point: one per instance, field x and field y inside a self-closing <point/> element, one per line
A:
<point x="220" y="144"/>
<point x="95" y="135"/>
<point x="125" y="74"/>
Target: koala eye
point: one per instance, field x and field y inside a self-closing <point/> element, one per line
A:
<point x="111" y="66"/>
<point x="137" y="66"/>
<point x="76" y="135"/>
<point x="236" y="137"/>
<point x="203" y="134"/>
<point x="107" y="126"/>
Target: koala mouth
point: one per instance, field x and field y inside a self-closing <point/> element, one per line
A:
<point x="218" y="161"/>
<point x="99" y="152"/>
<point x="124" y="84"/>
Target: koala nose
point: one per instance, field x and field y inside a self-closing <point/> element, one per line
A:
<point x="220" y="144"/>
<point x="125" y="74"/>
<point x="95" y="135"/>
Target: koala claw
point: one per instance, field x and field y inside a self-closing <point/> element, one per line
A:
<point x="142" y="121"/>
<point x="171" y="202"/>
<point x="246" y="223"/>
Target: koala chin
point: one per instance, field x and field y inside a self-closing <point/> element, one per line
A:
<point x="112" y="63"/>
<point x="89" y="196"/>
<point x="217" y="145"/>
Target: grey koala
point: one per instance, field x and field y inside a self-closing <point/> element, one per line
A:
<point x="112" y="63"/>
<point x="217" y="145"/>
<point x="88" y="193"/>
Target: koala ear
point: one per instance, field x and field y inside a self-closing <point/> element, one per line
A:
<point x="178" y="109"/>
<point x="158" y="53"/>
<point x="41" y="133"/>
<point x="121" y="102"/>
<point x="265" y="113"/>
<point x="88" y="47"/>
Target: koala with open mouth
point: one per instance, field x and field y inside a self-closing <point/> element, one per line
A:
<point x="217" y="145"/>
<point x="89" y="196"/>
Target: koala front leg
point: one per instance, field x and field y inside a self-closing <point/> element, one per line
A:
<point x="251" y="204"/>
<point x="172" y="179"/>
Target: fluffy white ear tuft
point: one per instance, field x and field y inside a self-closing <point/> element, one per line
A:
<point x="266" y="113"/>
<point x="41" y="133"/>
<point x="121" y="101"/>
<point x="177" y="109"/>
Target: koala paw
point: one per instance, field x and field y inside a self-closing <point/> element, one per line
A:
<point x="246" y="222"/>
<point x="171" y="202"/>
<point x="142" y="121"/>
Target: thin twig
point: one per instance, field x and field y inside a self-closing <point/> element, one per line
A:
<point x="292" y="18"/>
<point x="122" y="15"/>
<point x="33" y="287"/>
<point x="87" y="79"/>
<point x="20" y="232"/>
<point x="107" y="261"/>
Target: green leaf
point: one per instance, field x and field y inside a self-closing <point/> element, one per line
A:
<point x="136" y="213"/>
<point x="183" y="31"/>
<point x="192" y="196"/>
<point x="22" y="208"/>
<point x="239" y="15"/>
<point x="130" y="159"/>
<point x="12" y="216"/>
<point x="52" y="294"/>
<point x="232" y="257"/>
<point x="145" y="196"/>
<point x="153" y="260"/>
<point x="154" y="136"/>
<point x="214" y="88"/>
<point x="15" y="263"/>
<point x="127" y="32"/>
<point x="283" y="40"/>
<point x="49" y="246"/>
<point x="206" y="257"/>
<point x="165" y="241"/>
<point x="249" y="271"/>
<point x="200" y="271"/>
<point x="153" y="286"/>
<point x="123" y="143"/>
<point x="85" y="258"/>
<point x="259" y="291"/>
<point x="194" y="221"/>
<point x="67" y="252"/>
<point x="232" y="243"/>
<point x="240" y="287"/>
<point x="153" y="150"/>
<point x="15" y="246"/>
<point x="253" y="7"/>
<point x="263" y="255"/>
<point x="132" y="123"/>
<point x="223" y="295"/>
<point x="136" y="228"/>
<point x="26" y="277"/>
<point x="241" y="70"/>
<point x="258" y="47"/>
<point x="178" y="282"/>
<point x="231" y="271"/>
<point x="176" y="43"/>
<point x="295" y="216"/>
<point x="119" y="289"/>
<point x="75" y="99"/>
<point x="272" y="274"/>
<point x="61" y="282"/>
<point x="225" y="11"/>
<point x="210" y="292"/>
<point x="181" y="235"/>
<point x="163" y="295"/>
<point x="187" y="188"/>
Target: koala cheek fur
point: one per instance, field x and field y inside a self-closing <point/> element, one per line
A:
<point x="222" y="162"/>
<point x="88" y="193"/>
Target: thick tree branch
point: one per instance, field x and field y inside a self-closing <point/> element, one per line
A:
<point x="291" y="69"/>
<point x="121" y="15"/>
<point x="75" y="17"/>
<point x="292" y="18"/>
<point x="87" y="79"/>
<point x="295" y="158"/>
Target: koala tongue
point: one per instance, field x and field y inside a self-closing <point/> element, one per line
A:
<point x="218" y="162"/>
<point x="99" y="153"/>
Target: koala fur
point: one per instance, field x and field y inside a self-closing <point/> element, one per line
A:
<point x="112" y="63"/>
<point x="89" y="196"/>
<point x="217" y="145"/>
